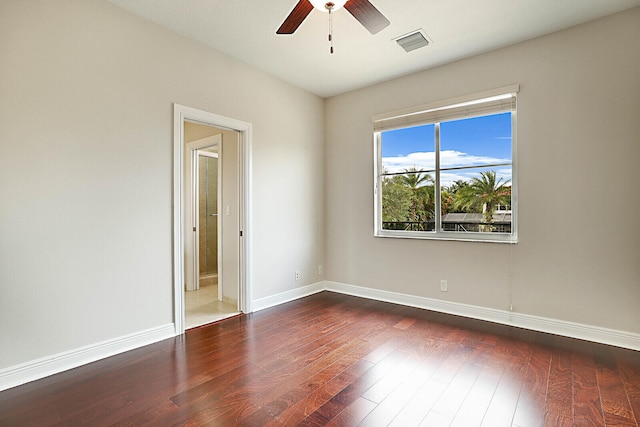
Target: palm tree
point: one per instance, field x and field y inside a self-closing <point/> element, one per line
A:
<point x="455" y="197"/>
<point x="485" y="193"/>
<point x="419" y="184"/>
<point x="446" y="201"/>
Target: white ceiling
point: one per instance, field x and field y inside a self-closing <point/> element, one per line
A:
<point x="246" y="30"/>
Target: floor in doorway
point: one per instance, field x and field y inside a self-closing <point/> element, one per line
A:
<point x="202" y="307"/>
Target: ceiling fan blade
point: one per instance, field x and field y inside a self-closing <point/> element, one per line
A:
<point x="367" y="15"/>
<point x="295" y="18"/>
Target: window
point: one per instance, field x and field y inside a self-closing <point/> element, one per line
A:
<point x="446" y="170"/>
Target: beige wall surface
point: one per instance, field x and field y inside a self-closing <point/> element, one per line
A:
<point x="578" y="136"/>
<point x="196" y="131"/>
<point x="86" y="116"/>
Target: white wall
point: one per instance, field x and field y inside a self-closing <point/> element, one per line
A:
<point x="578" y="128"/>
<point x="86" y="94"/>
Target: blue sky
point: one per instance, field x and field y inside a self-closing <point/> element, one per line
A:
<point x="476" y="141"/>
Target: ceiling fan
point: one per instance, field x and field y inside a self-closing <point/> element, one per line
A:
<point x="362" y="10"/>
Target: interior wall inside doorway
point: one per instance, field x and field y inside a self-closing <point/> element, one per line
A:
<point x="230" y="203"/>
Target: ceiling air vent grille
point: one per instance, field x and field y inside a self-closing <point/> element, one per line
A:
<point x="412" y="41"/>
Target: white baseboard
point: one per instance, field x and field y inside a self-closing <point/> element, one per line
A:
<point x="273" y="300"/>
<point x="46" y="366"/>
<point x="554" y="326"/>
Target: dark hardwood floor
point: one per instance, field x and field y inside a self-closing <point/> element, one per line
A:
<point x="336" y="360"/>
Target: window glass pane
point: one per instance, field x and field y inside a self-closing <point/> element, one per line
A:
<point x="476" y="174"/>
<point x="408" y="179"/>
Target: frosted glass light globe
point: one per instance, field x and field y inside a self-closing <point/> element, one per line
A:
<point x="319" y="4"/>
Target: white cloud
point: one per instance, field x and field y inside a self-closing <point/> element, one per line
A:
<point x="419" y="160"/>
<point x="448" y="159"/>
<point x="452" y="159"/>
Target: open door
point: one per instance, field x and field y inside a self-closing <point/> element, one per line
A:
<point x="202" y="222"/>
<point x="208" y="243"/>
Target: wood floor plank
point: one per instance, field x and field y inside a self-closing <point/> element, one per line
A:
<point x="337" y="360"/>
<point x="416" y="381"/>
<point x="560" y="388"/>
<point x="420" y="404"/>
<point x="628" y="363"/>
<point x="552" y="419"/>
<point x="434" y="419"/>
<point x="531" y="407"/>
<point x="298" y="411"/>
<point x="476" y="402"/>
<point x="281" y="397"/>
<point x="503" y="403"/>
<point x="501" y="409"/>
<point x="381" y="389"/>
<point x="587" y="408"/>
<point x="616" y="408"/>
<point x="405" y="323"/>
<point x="351" y="391"/>
<point x="353" y="414"/>
<point x="456" y="392"/>
<point x="400" y="392"/>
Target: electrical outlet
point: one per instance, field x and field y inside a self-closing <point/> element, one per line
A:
<point x="297" y="276"/>
<point x="320" y="270"/>
<point x="444" y="286"/>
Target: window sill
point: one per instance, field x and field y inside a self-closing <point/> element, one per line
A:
<point x="466" y="237"/>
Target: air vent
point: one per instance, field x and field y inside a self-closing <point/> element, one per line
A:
<point x="414" y="40"/>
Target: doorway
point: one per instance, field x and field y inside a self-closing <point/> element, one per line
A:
<point x="211" y="257"/>
<point x="203" y="190"/>
<point x="211" y="292"/>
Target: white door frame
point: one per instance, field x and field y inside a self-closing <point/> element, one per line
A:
<point x="180" y="114"/>
<point x="191" y="238"/>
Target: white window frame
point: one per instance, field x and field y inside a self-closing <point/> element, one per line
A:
<point x="452" y="109"/>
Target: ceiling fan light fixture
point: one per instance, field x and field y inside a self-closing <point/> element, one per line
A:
<point x="321" y="5"/>
<point x="362" y="10"/>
